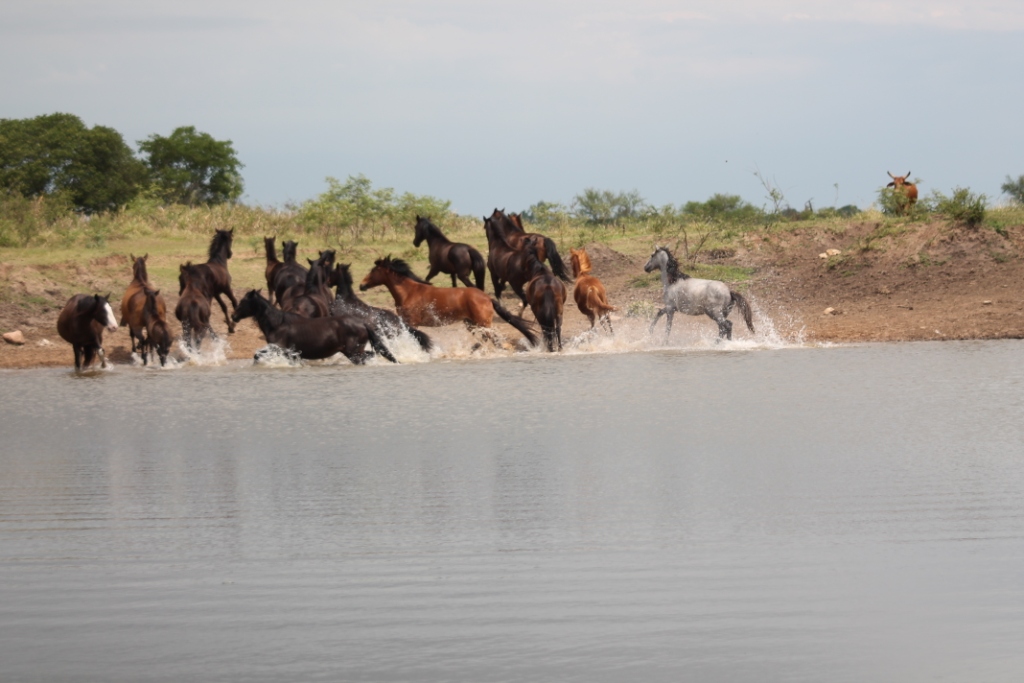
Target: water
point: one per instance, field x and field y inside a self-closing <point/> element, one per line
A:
<point x="842" y="514"/>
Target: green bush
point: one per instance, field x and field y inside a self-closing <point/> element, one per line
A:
<point x="894" y="202"/>
<point x="963" y="207"/>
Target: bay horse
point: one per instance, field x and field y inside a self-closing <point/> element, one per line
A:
<point x="312" y="338"/>
<point x="81" y="324"/>
<point x="290" y="274"/>
<point x="454" y="258"/>
<point x="140" y="282"/>
<point x="311" y="299"/>
<point x="273" y="264"/>
<point x="346" y="302"/>
<point x="693" y="296"/>
<point x="511" y="226"/>
<point x="145" y="314"/>
<point x="506" y="262"/>
<point x="193" y="309"/>
<point x="546" y="295"/>
<point x="589" y="292"/>
<point x="421" y="304"/>
<point x="215" y="273"/>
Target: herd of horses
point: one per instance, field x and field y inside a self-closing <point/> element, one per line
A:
<point x="303" y="316"/>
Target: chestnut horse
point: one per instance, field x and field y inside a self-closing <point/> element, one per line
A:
<point x="589" y="293"/>
<point x="422" y="304"/>
<point x="81" y="324"/>
<point x="346" y="302"/>
<point x="140" y="282"/>
<point x="193" y="309"/>
<point x="312" y="338"/>
<point x="454" y="258"/>
<point x="215" y="273"/>
<point x="546" y="295"/>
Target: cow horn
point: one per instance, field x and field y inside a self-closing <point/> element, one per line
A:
<point x="908" y="175"/>
<point x="890" y="174"/>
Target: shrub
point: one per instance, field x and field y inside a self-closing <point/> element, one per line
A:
<point x="963" y="207"/>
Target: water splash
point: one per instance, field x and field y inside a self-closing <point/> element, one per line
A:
<point x="213" y="351"/>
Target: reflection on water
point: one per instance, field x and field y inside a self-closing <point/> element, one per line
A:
<point x="799" y="514"/>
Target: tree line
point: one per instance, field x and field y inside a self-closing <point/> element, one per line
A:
<point x="58" y="157"/>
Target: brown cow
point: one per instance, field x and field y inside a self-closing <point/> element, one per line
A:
<point x="907" y="188"/>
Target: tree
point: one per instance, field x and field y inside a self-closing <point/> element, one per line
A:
<point x="56" y="155"/>
<point x="1014" y="188"/>
<point x="605" y="206"/>
<point x="190" y="167"/>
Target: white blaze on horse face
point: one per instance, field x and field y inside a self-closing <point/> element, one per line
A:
<point x="111" y="322"/>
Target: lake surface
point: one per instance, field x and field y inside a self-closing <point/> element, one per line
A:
<point x="798" y="514"/>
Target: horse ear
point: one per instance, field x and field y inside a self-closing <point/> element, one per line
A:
<point x="132" y="257"/>
<point x="310" y="261"/>
<point x="146" y="257"/>
<point x="156" y="292"/>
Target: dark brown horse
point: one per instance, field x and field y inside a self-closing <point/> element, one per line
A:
<point x="81" y="324"/>
<point x="454" y="258"/>
<point x="346" y="302"/>
<point x="312" y="338"/>
<point x="421" y="304"/>
<point x="511" y="226"/>
<point x="290" y="274"/>
<point x="313" y="298"/>
<point x="273" y="265"/>
<point x="215" y="273"/>
<point x="193" y="309"/>
<point x="507" y="263"/>
<point x="546" y="295"/>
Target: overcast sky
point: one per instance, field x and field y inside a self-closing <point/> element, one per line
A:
<point x="501" y="105"/>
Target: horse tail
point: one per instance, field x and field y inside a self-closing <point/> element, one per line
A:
<point x="557" y="266"/>
<point x="378" y="345"/>
<point x="598" y="302"/>
<point x="479" y="267"/>
<point x="422" y="339"/>
<point x="515" y="321"/>
<point x="744" y="308"/>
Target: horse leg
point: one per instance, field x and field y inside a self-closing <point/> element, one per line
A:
<point x="223" y="307"/>
<point x="655" y="321"/>
<point x="433" y="271"/>
<point x="606" y="319"/>
<point x="454" y="283"/>
<point x="88" y="352"/>
<point x="78" y="357"/>
<point x="668" y="323"/>
<point x="465" y="280"/>
<point x="103" y="357"/>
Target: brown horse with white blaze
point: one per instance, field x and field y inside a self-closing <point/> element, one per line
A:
<point x="422" y="305"/>
<point x="589" y="292"/>
<point x="81" y="324"/>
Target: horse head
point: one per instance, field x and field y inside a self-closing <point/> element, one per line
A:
<point x="289" y="249"/>
<point x="103" y="313"/>
<point x="252" y="304"/>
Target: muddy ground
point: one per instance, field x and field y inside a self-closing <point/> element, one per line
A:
<point x="916" y="282"/>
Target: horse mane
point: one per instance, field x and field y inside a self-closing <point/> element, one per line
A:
<point x="580" y="262"/>
<point x="497" y="230"/>
<point x="139" y="269"/>
<point x="399" y="267"/>
<point x="532" y="262"/>
<point x="221" y="238"/>
<point x="345" y="280"/>
<point x="672" y="267"/>
<point x="431" y="229"/>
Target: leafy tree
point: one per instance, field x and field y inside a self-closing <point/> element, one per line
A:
<point x="1014" y="188"/>
<point x="605" y="206"/>
<point x="545" y="213"/>
<point x="355" y="205"/>
<point x="189" y="167"/>
<point x="723" y="207"/>
<point x="56" y="155"/>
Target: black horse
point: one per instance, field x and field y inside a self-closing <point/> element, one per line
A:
<point x="312" y="338"/>
<point x="347" y="303"/>
<point x="454" y="258"/>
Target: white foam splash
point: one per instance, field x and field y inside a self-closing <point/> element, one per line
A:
<point x="213" y="351"/>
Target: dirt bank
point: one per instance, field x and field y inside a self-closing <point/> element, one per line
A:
<point x="886" y="283"/>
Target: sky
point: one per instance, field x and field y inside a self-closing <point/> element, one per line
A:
<point x="501" y="105"/>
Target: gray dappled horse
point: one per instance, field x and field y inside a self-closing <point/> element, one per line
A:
<point x="693" y="296"/>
